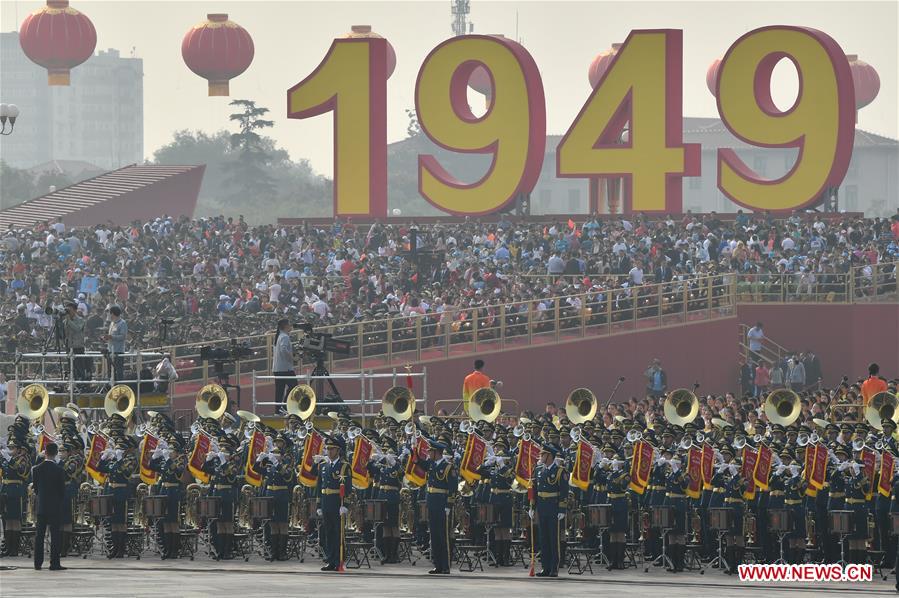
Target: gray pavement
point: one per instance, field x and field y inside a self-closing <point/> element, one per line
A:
<point x="99" y="577"/>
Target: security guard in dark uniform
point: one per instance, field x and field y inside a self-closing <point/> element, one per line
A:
<point x="389" y="479"/>
<point x="16" y="474"/>
<point x="334" y="485"/>
<point x="226" y="473"/>
<point x="442" y="485"/>
<point x="170" y="461"/>
<point x="119" y="464"/>
<point x="549" y="501"/>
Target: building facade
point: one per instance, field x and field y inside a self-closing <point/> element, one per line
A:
<point x="98" y="118"/>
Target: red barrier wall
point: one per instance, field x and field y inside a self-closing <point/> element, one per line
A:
<point x="846" y="338"/>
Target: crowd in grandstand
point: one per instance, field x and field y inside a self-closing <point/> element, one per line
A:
<point x="193" y="280"/>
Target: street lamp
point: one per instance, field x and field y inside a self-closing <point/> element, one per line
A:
<point x="8" y="112"/>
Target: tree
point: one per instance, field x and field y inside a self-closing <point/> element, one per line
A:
<point x="17" y="185"/>
<point x="248" y="172"/>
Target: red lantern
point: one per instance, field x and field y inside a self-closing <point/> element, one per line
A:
<point x="58" y="38"/>
<point x="217" y="50"/>
<point x="364" y="31"/>
<point x="711" y="76"/>
<point x="600" y="65"/>
<point x="865" y="79"/>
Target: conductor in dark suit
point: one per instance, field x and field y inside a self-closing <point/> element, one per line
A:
<point x="49" y="481"/>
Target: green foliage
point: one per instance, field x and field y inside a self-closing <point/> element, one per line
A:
<point x="18" y="185"/>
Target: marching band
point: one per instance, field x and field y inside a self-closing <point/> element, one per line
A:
<point x="567" y="491"/>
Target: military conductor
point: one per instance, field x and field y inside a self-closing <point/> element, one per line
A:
<point x="49" y="481"/>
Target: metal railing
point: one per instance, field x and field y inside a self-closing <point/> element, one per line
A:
<point x="872" y="283"/>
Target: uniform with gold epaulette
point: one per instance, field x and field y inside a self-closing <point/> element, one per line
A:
<point x="170" y="463"/>
<point x="225" y="476"/>
<point x="442" y="485"/>
<point x="119" y="465"/>
<point x="16" y="469"/>
<point x="550" y="502"/>
<point x="388" y="476"/>
<point x="334" y="484"/>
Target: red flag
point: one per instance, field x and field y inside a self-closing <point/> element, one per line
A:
<point x="887" y="465"/>
<point x="583" y="465"/>
<point x="641" y="466"/>
<point x="571" y="224"/>
<point x="750" y="457"/>
<point x="528" y="456"/>
<point x="415" y="474"/>
<point x="869" y="460"/>
<point x="361" y="456"/>
<point x="198" y="457"/>
<point x="694" y="471"/>
<point x="98" y="445"/>
<point x="312" y="446"/>
<point x="257" y="445"/>
<point x="43" y="440"/>
<point x="475" y="451"/>
<point x="819" y="466"/>
<point x="763" y="467"/>
<point x="147" y="475"/>
<point x="708" y="463"/>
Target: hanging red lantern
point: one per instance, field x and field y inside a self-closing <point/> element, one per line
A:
<point x="364" y="31"/>
<point x="600" y="65"/>
<point x="217" y="50"/>
<point x="58" y="38"/>
<point x="865" y="79"/>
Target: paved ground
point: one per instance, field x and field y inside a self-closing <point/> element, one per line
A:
<point x="98" y="577"/>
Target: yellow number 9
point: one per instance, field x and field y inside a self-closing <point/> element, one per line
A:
<point x="821" y="123"/>
<point x="513" y="129"/>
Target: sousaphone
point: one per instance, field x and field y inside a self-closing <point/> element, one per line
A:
<point x="33" y="402"/>
<point x="782" y="407"/>
<point x="580" y="406"/>
<point x="301" y="401"/>
<point x="398" y="403"/>
<point x="212" y="401"/>
<point x="882" y="406"/>
<point x="484" y="405"/>
<point x="120" y="400"/>
<point x="681" y="407"/>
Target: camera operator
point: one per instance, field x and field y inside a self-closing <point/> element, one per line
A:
<point x="73" y="325"/>
<point x="282" y="361"/>
<point x="165" y="373"/>
<point x="115" y="339"/>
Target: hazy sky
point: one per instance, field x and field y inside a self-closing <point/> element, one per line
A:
<point x="291" y="38"/>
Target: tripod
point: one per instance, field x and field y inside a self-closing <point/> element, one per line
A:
<point x="319" y="383"/>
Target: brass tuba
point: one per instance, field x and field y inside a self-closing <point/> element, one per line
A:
<point x="33" y="402"/>
<point x="681" y="407"/>
<point x="301" y="401"/>
<point x="119" y="400"/>
<point x="484" y="405"/>
<point x="212" y="401"/>
<point x="782" y="407"/>
<point x="882" y="406"/>
<point x="580" y="406"/>
<point x="398" y="403"/>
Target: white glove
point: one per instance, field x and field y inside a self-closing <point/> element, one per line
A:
<point x="157" y="453"/>
<point x="5" y="453"/>
<point x="209" y="456"/>
<point x="490" y="460"/>
<point x="561" y="516"/>
<point x="675" y="466"/>
<point x="108" y="453"/>
<point x="405" y="452"/>
<point x="119" y="453"/>
<point x="391" y="460"/>
<point x="531" y="513"/>
<point x="500" y="461"/>
<point x="344" y="510"/>
<point x="457" y="455"/>
<point x="447" y="511"/>
<point x="318" y="458"/>
<point x="318" y="512"/>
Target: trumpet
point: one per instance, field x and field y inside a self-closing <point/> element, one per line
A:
<point x="304" y="431"/>
<point x="758" y="438"/>
<point x="804" y="439"/>
<point x="633" y="436"/>
<point x="739" y="442"/>
<point x="467" y="427"/>
<point x="520" y="432"/>
<point x="700" y="437"/>
<point x="412" y="430"/>
<point x="686" y="443"/>
<point x="353" y="433"/>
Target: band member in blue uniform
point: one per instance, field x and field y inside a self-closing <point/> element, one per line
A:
<point x="334" y="485"/>
<point x="119" y="462"/>
<point x="549" y="504"/>
<point x="501" y="473"/>
<point x="442" y="486"/>
<point x="226" y="474"/>
<point x="169" y="461"/>
<point x="388" y="474"/>
<point x="16" y="469"/>
<point x="676" y="483"/>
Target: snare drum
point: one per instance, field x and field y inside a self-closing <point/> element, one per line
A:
<point x="598" y="515"/>
<point x="779" y="520"/>
<point x="375" y="511"/>
<point x="208" y="507"/>
<point x="841" y="522"/>
<point x="100" y="505"/>
<point x="312" y="508"/>
<point x="421" y="512"/>
<point x="262" y="507"/>
<point x="485" y="513"/>
<point x="154" y="506"/>
<point x="721" y="518"/>
<point x="662" y="517"/>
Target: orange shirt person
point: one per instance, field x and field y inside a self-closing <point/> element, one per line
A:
<point x="873" y="385"/>
<point x="474" y="381"/>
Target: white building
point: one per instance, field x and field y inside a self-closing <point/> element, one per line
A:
<point x="98" y="118"/>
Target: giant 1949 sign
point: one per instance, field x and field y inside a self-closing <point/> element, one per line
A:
<point x="642" y="88"/>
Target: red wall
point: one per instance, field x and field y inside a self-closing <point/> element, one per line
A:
<point x="845" y="337"/>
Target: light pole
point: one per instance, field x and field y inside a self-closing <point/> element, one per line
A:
<point x="616" y="184"/>
<point x="8" y="112"/>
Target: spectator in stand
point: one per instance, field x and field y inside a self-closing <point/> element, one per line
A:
<point x="762" y="380"/>
<point x="795" y="375"/>
<point x="812" y="366"/>
<point x="747" y="376"/>
<point x="777" y="376"/>
<point x="656" y="380"/>
<point x="874" y="384"/>
<point x="756" y="338"/>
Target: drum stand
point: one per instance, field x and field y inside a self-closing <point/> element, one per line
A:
<point x="719" y="561"/>
<point x="780" y="541"/>
<point x="492" y="561"/>
<point x="602" y="558"/>
<point x="375" y="552"/>
<point x="663" y="560"/>
<point x="843" y="560"/>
